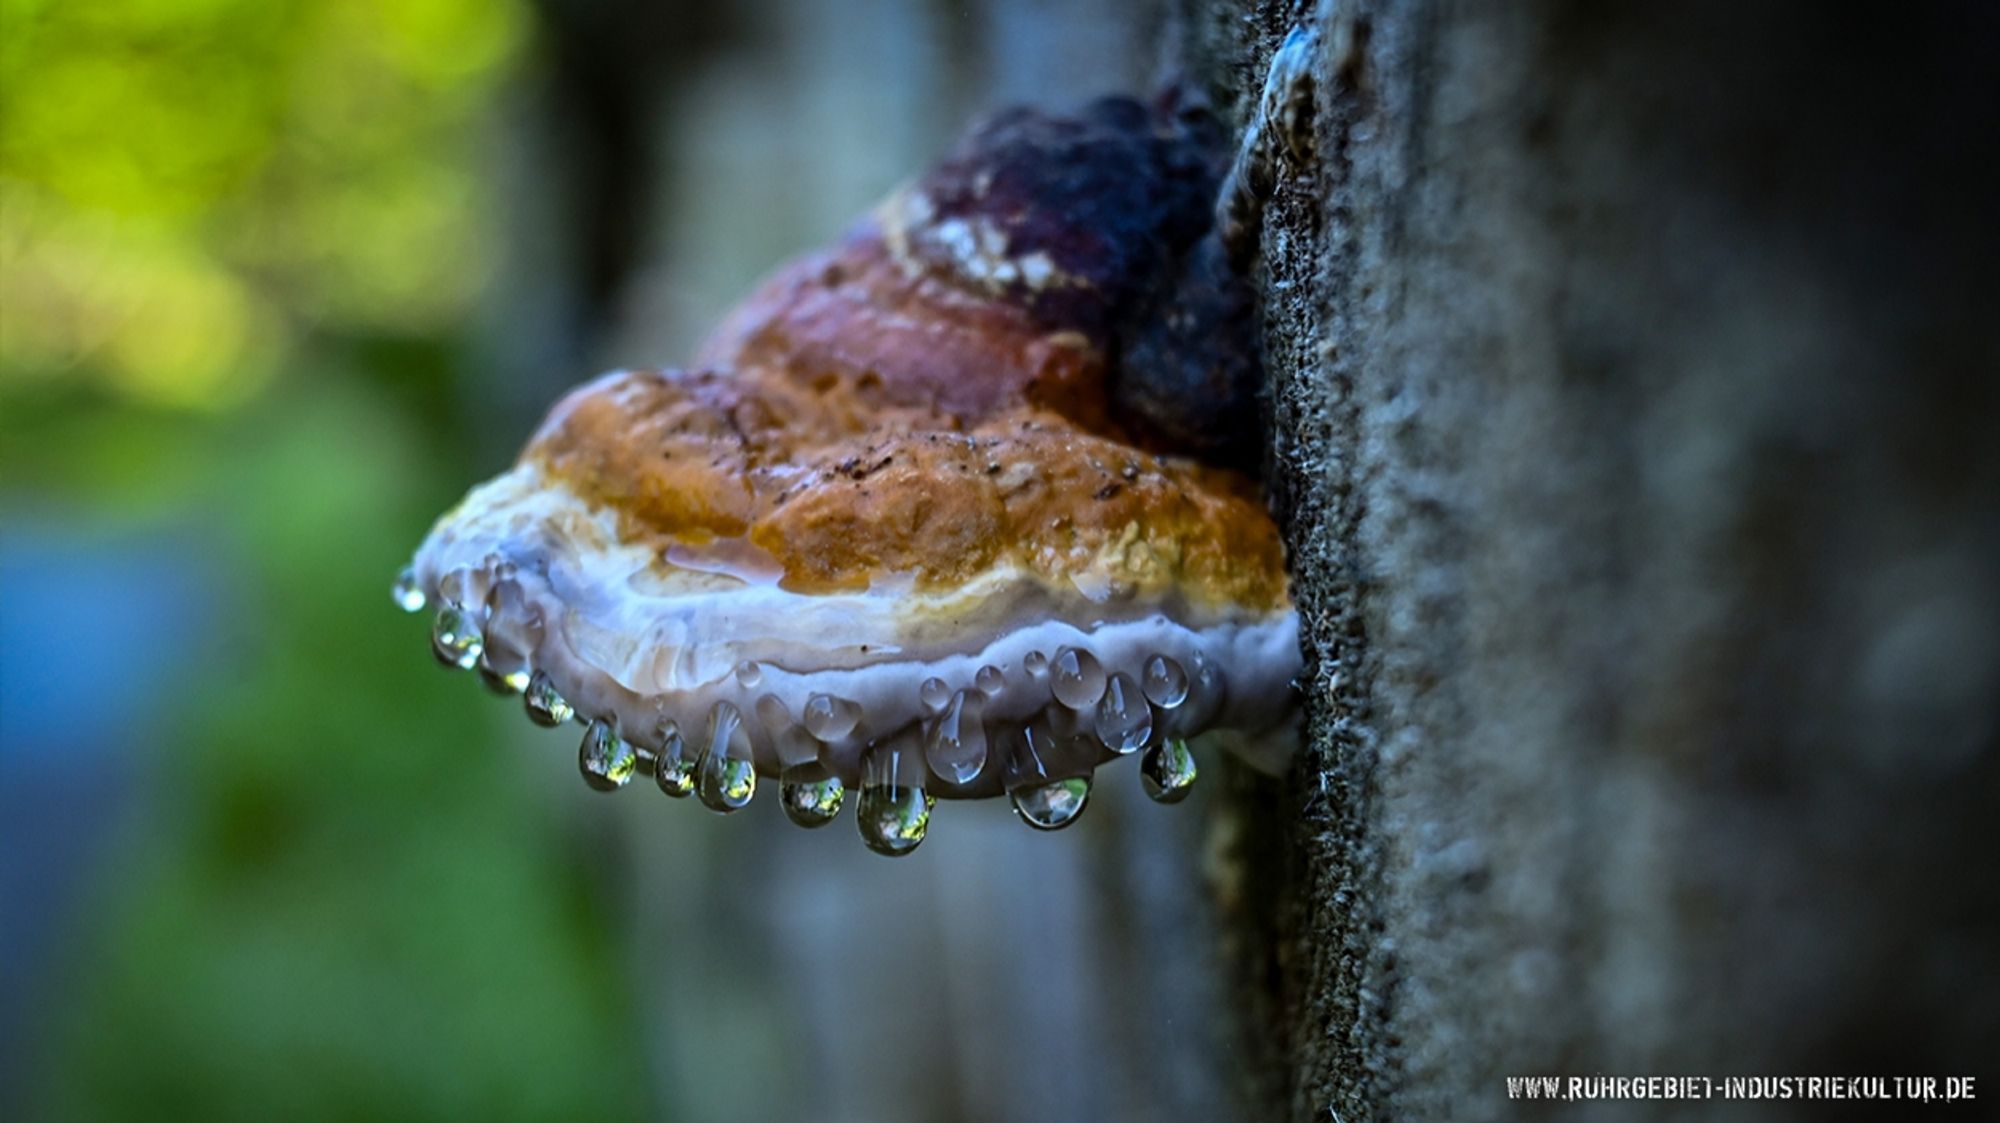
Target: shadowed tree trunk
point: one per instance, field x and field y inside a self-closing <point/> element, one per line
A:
<point x="1634" y="394"/>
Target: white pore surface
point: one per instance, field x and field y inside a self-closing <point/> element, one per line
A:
<point x="623" y="636"/>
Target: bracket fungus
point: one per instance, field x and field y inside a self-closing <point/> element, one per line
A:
<point x="959" y="507"/>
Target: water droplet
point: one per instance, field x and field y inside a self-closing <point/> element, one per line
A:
<point x="673" y="765"/>
<point x="1077" y="679"/>
<point x="893" y="816"/>
<point x="1051" y="806"/>
<point x="990" y="681"/>
<point x="500" y="680"/>
<point x="725" y="779"/>
<point x="829" y="718"/>
<point x="1124" y="720"/>
<point x="1035" y="663"/>
<point x="1165" y="682"/>
<point x="955" y="744"/>
<point x="455" y="639"/>
<point x="934" y="694"/>
<point x="544" y="705"/>
<point x="1168" y="771"/>
<point x="811" y="798"/>
<point x="408" y="595"/>
<point x="749" y="674"/>
<point x="606" y="761"/>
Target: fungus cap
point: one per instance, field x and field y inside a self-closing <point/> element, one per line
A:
<point x="896" y="526"/>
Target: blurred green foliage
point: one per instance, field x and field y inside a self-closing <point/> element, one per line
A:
<point x="189" y="186"/>
<point x="237" y="239"/>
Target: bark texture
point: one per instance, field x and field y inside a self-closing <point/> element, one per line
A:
<point x="1634" y="377"/>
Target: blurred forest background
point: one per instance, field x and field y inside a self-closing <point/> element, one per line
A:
<point x="278" y="281"/>
<point x="1633" y="434"/>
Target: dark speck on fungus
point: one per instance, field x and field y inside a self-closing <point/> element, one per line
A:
<point x="889" y="531"/>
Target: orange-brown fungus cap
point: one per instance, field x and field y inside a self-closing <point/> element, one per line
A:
<point x="958" y="491"/>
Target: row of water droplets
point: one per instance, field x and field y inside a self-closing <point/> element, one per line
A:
<point x="483" y="623"/>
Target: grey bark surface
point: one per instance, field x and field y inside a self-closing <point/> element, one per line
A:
<point x="1634" y="391"/>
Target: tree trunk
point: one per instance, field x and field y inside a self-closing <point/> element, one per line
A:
<point x="1634" y="397"/>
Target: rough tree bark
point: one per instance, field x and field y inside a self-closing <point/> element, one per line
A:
<point x="1634" y="390"/>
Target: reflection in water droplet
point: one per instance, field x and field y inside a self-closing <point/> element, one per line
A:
<point x="829" y="718"/>
<point x="934" y="694"/>
<point x="726" y="783"/>
<point x="725" y="779"/>
<point x="1167" y="772"/>
<point x="1124" y="720"/>
<point x="811" y="798"/>
<point x="1076" y="678"/>
<point x="749" y="674"/>
<point x="893" y="817"/>
<point x="1165" y="682"/>
<point x="544" y="705"/>
<point x="1035" y="663"/>
<point x="606" y="761"/>
<point x="673" y="765"/>
<point x="955" y="744"/>
<point x="455" y="639"/>
<point x="408" y="595"/>
<point x="1051" y="806"/>
<point x="990" y="681"/>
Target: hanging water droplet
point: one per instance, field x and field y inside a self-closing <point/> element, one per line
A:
<point x="934" y="694"/>
<point x="1165" y="683"/>
<point x="1124" y="720"/>
<point x="1167" y="772"/>
<point x="1076" y="678"/>
<point x="990" y="681"/>
<point x="811" y="798"/>
<point x="544" y="705"/>
<point x="955" y="745"/>
<point x="893" y="816"/>
<point x="749" y="674"/>
<point x="829" y="718"/>
<point x="1035" y="663"/>
<point x="455" y="639"/>
<point x="1051" y="806"/>
<point x="673" y="765"/>
<point x="606" y="761"/>
<point x="725" y="779"/>
<point x="500" y="680"/>
<point x="406" y="592"/>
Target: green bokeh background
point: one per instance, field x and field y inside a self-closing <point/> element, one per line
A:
<point x="239" y="251"/>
